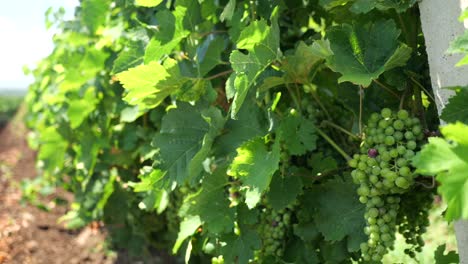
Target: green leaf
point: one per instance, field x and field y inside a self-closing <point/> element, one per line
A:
<point x="148" y="85"/>
<point x="52" y="149"/>
<point x="254" y="165"/>
<point x="211" y="204"/>
<point x="449" y="161"/>
<point x="148" y="3"/>
<point x="329" y="4"/>
<point x="79" y="109"/>
<point x="94" y="13"/>
<point x="185" y="139"/>
<point x="208" y="55"/>
<point x="262" y="44"/>
<point x="251" y="122"/>
<point x="130" y="56"/>
<point x="306" y="231"/>
<point x="338" y="210"/>
<point x="456" y="109"/>
<point x="170" y="33"/>
<point x="298" y="66"/>
<point x="441" y="258"/>
<point x="300" y="252"/>
<point x="284" y="191"/>
<point x="298" y="133"/>
<point x="228" y="11"/>
<point x="460" y="45"/>
<point x="365" y="6"/>
<point x="188" y="226"/>
<point x="239" y="249"/>
<point x="362" y="52"/>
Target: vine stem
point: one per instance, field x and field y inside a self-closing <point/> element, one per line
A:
<point x="387" y="89"/>
<point x="326" y="122"/>
<point x="294" y="97"/>
<point x="361" y="94"/>
<point x="419" y="105"/>
<point x="333" y="143"/>
<point x="219" y="75"/>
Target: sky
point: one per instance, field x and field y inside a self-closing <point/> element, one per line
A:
<point x="24" y="39"/>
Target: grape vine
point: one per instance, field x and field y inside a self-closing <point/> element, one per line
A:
<point x="228" y="126"/>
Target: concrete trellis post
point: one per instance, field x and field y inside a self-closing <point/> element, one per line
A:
<point x="440" y="26"/>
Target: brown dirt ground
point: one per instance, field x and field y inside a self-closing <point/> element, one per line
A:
<point x="29" y="235"/>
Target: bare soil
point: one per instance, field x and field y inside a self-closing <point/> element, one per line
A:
<point x="29" y="235"/>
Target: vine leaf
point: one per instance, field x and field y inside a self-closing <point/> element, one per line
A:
<point x="251" y="122"/>
<point x="148" y="3"/>
<point x="94" y="13"/>
<point x="446" y="158"/>
<point x="185" y="140"/>
<point x="456" y="109"/>
<point x="365" y="6"/>
<point x="338" y="210"/>
<point x="240" y="248"/>
<point x="262" y="44"/>
<point x="440" y="258"/>
<point x="188" y="226"/>
<point x="131" y="56"/>
<point x="170" y="33"/>
<point x="296" y="67"/>
<point x="148" y="85"/>
<point x="298" y="133"/>
<point x="208" y="55"/>
<point x="460" y="45"/>
<point x="254" y="165"/>
<point x="362" y="52"/>
<point x="210" y="203"/>
<point x="79" y="109"/>
<point x="284" y="191"/>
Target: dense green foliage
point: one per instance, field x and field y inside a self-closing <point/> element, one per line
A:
<point x="222" y="130"/>
<point x="8" y="106"/>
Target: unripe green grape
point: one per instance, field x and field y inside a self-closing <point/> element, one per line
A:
<point x="362" y="166"/>
<point x="402" y="114"/>
<point x="409" y="135"/>
<point x="401" y="161"/>
<point x="404" y="171"/>
<point x="394" y="153"/>
<point x="411" y="145"/>
<point x="389" y="131"/>
<point x="409" y="154"/>
<point x="398" y="136"/>
<point x="386" y="113"/>
<point x="398" y="125"/>
<point x="374" y="179"/>
<point x="401" y="150"/>
<point x="373" y="212"/>
<point x="353" y="163"/>
<point x="363" y="199"/>
<point x="383" y="124"/>
<point x="389" y="140"/>
<point x="402" y="183"/>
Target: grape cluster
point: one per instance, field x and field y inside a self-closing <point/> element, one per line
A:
<point x="235" y="196"/>
<point x="274" y="226"/>
<point x="382" y="171"/>
<point x="217" y="260"/>
<point x="412" y="224"/>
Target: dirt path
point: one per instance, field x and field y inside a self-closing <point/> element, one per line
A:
<point x="28" y="234"/>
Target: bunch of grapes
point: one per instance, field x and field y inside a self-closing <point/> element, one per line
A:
<point x="382" y="171"/>
<point x="412" y="224"/>
<point x="274" y="226"/>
